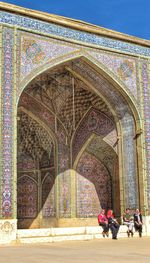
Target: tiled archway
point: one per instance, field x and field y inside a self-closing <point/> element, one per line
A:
<point x="75" y="101"/>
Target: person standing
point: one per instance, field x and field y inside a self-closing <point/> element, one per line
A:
<point x="138" y="222"/>
<point x="128" y="221"/>
<point x="103" y="222"/>
<point x="113" y="224"/>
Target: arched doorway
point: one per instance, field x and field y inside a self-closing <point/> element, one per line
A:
<point x="76" y="134"/>
<point x="35" y="172"/>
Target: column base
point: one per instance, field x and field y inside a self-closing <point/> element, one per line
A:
<point x="146" y="222"/>
<point x="8" y="230"/>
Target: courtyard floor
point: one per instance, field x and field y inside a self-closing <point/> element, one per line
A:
<point x="102" y="251"/>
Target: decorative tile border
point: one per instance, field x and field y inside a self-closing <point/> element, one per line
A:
<point x="146" y="98"/>
<point x="129" y="161"/>
<point x="71" y="34"/>
<point x="7" y="122"/>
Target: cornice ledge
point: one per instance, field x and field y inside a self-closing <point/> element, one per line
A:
<point x="74" y="24"/>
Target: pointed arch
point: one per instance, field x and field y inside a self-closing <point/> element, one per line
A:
<point x="123" y="93"/>
<point x="95" y="119"/>
<point x="98" y="66"/>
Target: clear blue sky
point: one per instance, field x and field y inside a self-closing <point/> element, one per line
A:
<point x="127" y="16"/>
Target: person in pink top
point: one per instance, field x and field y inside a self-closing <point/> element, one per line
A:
<point x="103" y="222"/>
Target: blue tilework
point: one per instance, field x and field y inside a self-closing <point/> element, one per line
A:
<point x="71" y="34"/>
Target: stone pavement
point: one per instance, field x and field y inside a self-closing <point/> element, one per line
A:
<point x="102" y="251"/>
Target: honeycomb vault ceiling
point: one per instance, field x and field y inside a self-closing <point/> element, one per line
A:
<point x="67" y="96"/>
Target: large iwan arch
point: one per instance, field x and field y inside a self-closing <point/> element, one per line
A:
<point x="76" y="99"/>
<point x="75" y="122"/>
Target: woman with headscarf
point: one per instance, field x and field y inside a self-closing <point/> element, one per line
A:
<point x="103" y="222"/>
<point x="113" y="224"/>
<point x="138" y="222"/>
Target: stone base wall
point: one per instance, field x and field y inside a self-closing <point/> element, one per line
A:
<point x="10" y="234"/>
<point x="65" y="234"/>
<point x="146" y="222"/>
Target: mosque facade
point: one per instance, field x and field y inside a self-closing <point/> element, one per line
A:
<point x="75" y="122"/>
